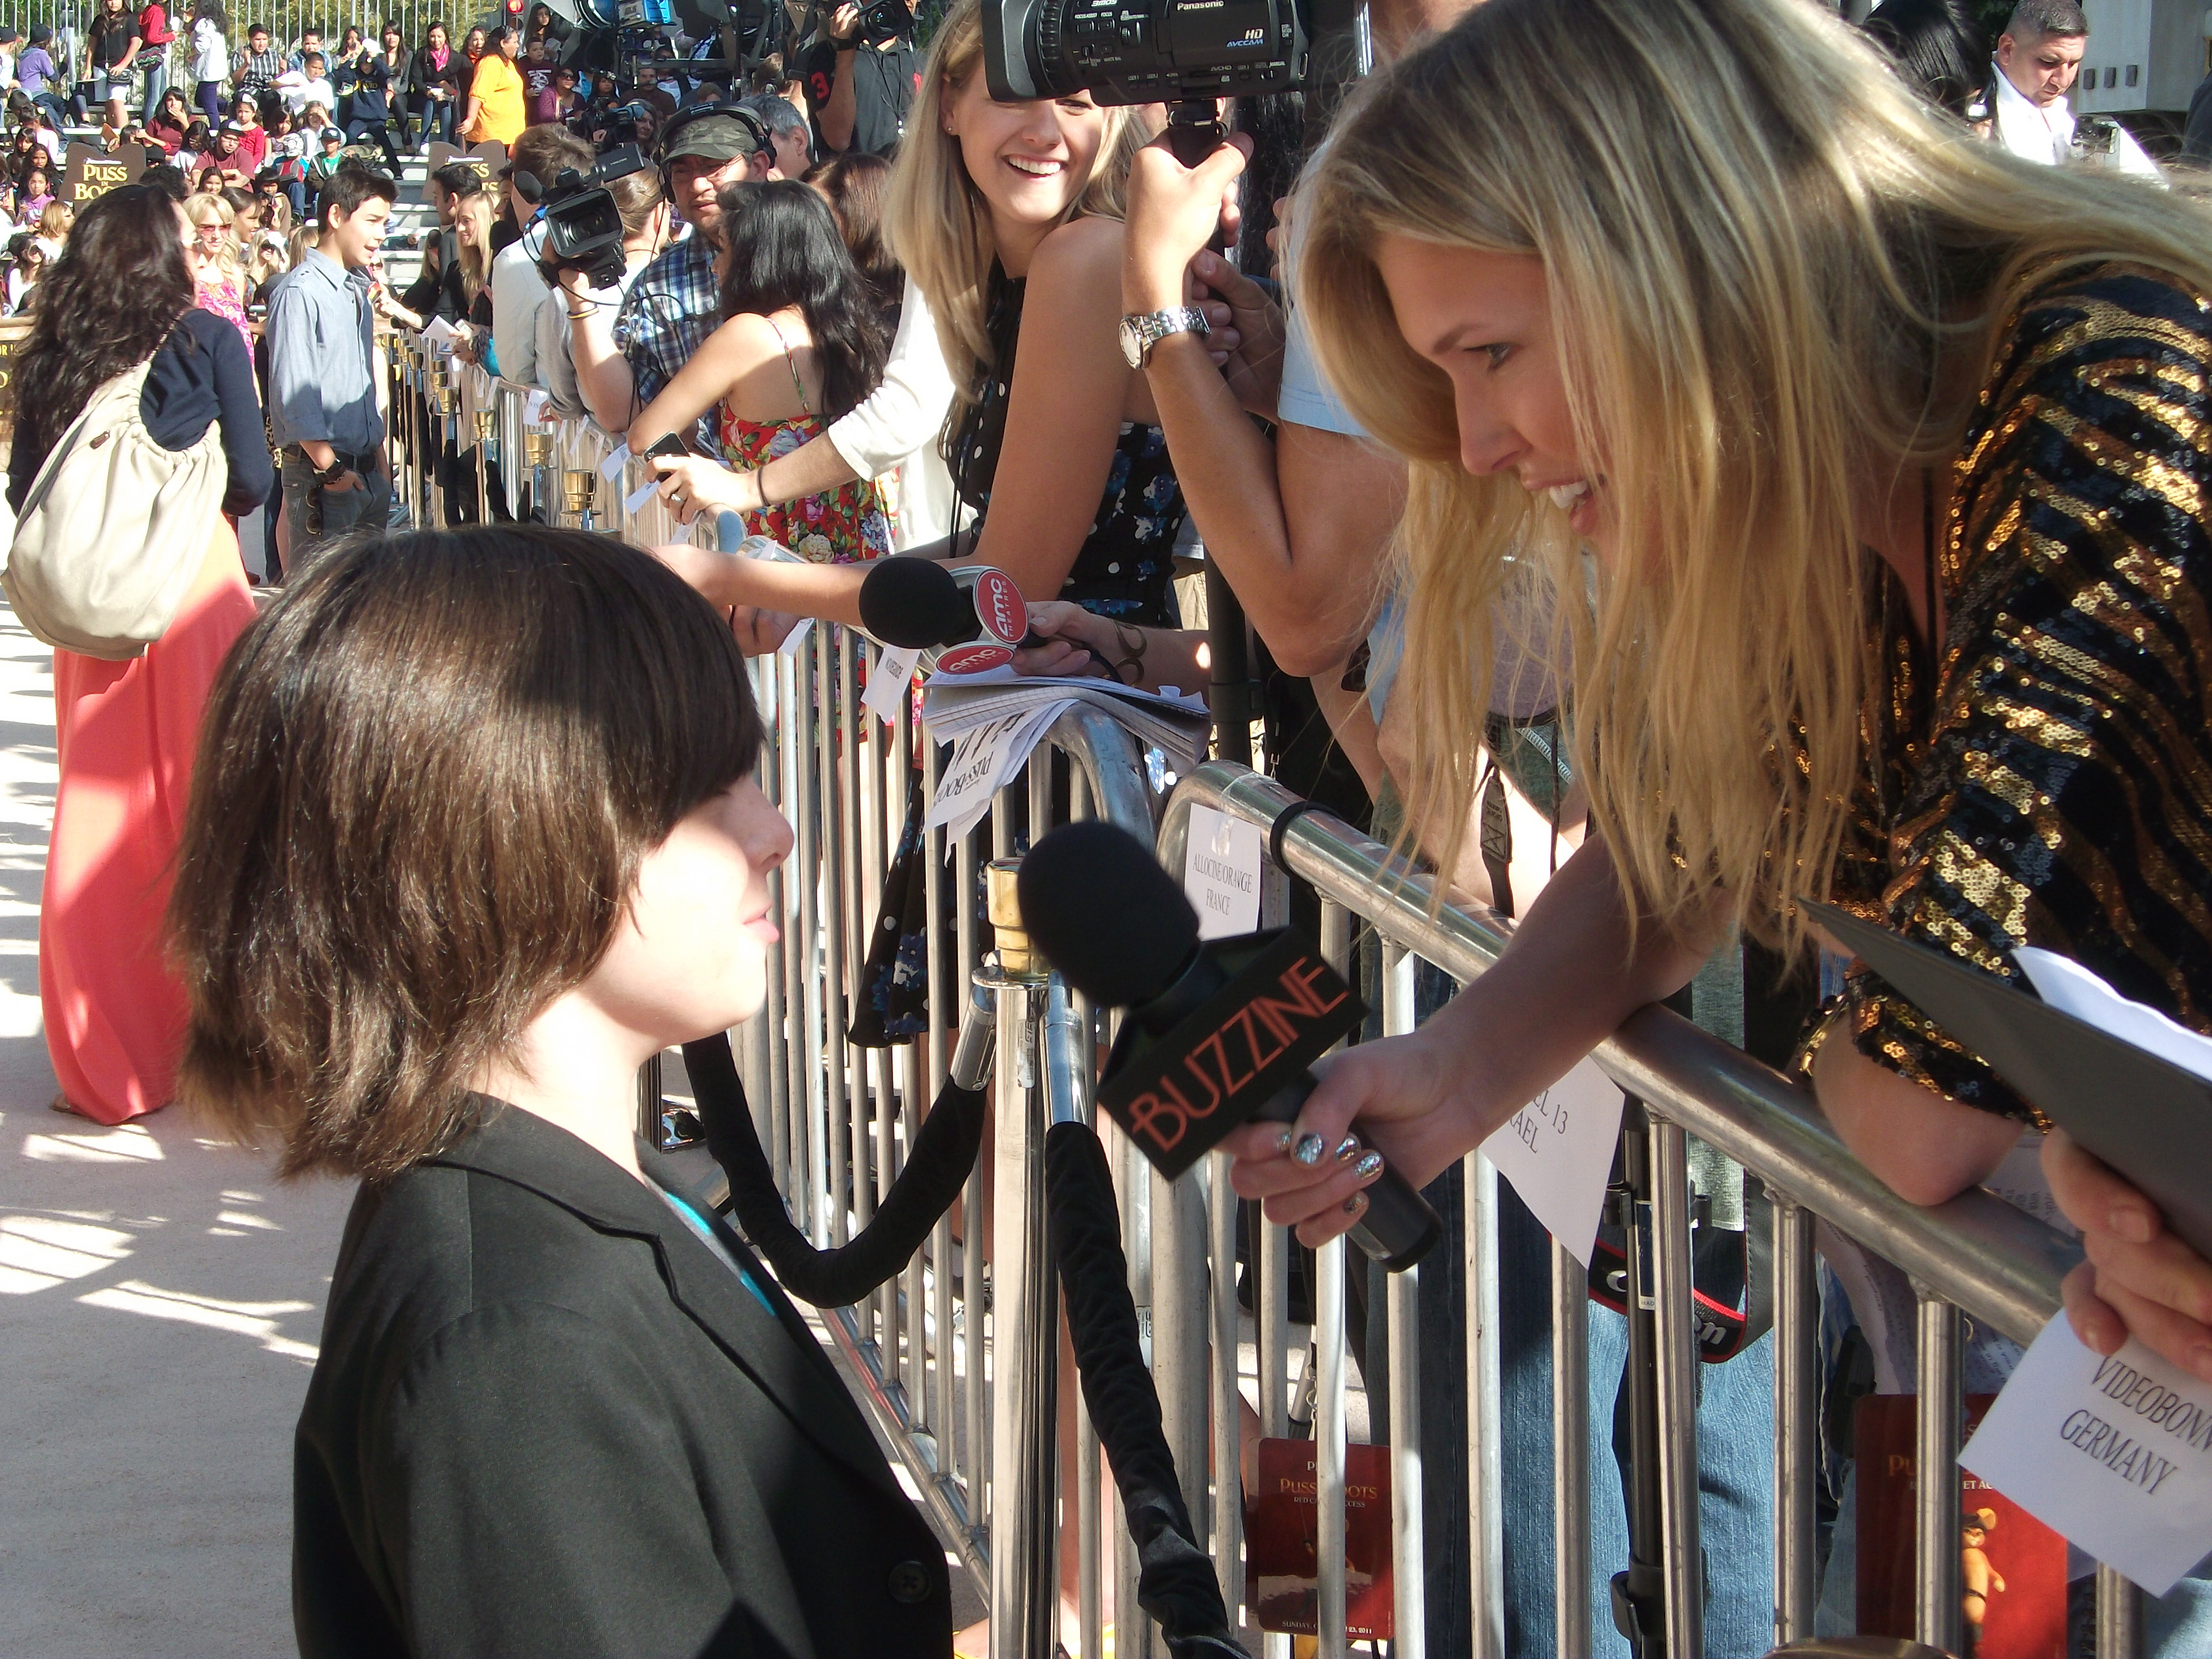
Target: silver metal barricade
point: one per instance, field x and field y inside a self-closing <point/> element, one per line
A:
<point x="1975" y="1254"/>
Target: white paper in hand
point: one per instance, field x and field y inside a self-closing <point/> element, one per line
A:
<point x="889" y="677"/>
<point x="1557" y="1152"/>
<point x="1221" y="874"/>
<point x="2115" y="1454"/>
<point x="533" y="408"/>
<point x="984" y="759"/>
<point x="639" y="496"/>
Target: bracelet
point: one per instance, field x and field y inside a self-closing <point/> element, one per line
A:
<point x="1131" y="668"/>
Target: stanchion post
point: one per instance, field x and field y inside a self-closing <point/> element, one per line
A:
<point x="1681" y="1558"/>
<point x="2119" y="1615"/>
<point x="1025" y="1308"/>
<point x="1408" y="1575"/>
<point x="1570" y="1470"/>
<point x="1936" y="1612"/>
<point x="1796" y="1420"/>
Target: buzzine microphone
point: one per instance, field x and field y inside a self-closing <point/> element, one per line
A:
<point x="1217" y="1033"/>
<point x="973" y="615"/>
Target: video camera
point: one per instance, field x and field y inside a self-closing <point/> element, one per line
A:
<point x="1144" y="52"/>
<point x="583" y="227"/>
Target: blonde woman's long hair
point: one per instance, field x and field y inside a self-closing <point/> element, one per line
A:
<point x="937" y="222"/>
<point x="474" y="257"/>
<point x="1777" y="280"/>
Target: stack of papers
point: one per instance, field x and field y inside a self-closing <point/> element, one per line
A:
<point x="993" y="720"/>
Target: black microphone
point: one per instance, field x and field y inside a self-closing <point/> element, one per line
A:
<point x="974" y="614"/>
<point x="1218" y="1034"/>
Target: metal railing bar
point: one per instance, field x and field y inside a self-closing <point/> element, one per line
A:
<point x="1998" y="1264"/>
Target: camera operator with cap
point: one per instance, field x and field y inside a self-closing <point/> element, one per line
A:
<point x="675" y="303"/>
<point x="861" y="78"/>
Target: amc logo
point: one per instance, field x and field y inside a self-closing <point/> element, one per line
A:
<point x="1000" y="608"/>
<point x="973" y="658"/>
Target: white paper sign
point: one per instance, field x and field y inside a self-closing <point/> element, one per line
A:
<point x="1557" y="1152"/>
<point x="982" y="760"/>
<point x="1221" y="872"/>
<point x="639" y="496"/>
<point x="889" y="677"/>
<point x="2116" y="1454"/>
<point x="533" y="408"/>
<point x="611" y="469"/>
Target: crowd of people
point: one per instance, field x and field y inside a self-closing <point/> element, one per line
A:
<point x="1810" y="422"/>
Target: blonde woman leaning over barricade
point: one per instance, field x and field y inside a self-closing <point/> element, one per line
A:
<point x="1891" y="452"/>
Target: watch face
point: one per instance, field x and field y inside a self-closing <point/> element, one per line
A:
<point x="1133" y="343"/>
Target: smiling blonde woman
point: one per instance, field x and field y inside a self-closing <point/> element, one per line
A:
<point x="1892" y="453"/>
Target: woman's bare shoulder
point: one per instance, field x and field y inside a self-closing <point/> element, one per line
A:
<point x="1082" y="253"/>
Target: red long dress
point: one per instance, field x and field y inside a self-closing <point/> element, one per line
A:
<point x="124" y="735"/>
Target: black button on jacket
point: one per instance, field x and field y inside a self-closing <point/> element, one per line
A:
<point x="548" y="1420"/>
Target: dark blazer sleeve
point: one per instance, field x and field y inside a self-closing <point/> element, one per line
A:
<point x="539" y="1501"/>
<point x="202" y="374"/>
<point x="245" y="438"/>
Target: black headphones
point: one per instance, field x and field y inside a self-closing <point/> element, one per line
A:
<point x="749" y="118"/>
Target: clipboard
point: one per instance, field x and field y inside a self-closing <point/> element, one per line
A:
<point x="2147" y="1117"/>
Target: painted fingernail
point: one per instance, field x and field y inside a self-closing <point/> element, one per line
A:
<point x="1355" y="1203"/>
<point x="2131" y="1224"/>
<point x="1310" y="1147"/>
<point x="1369" y="1167"/>
<point x="1345" y="1151"/>
<point x="1283" y="1139"/>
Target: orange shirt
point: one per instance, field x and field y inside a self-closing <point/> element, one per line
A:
<point x="497" y="89"/>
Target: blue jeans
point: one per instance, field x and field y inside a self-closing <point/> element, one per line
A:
<point x="156" y="59"/>
<point x="1735" y="1466"/>
<point x="436" y="116"/>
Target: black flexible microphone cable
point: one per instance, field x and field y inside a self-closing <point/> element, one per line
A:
<point x="1174" y="1577"/>
<point x="944" y="1153"/>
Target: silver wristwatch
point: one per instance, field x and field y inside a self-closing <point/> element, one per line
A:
<point x="1141" y="332"/>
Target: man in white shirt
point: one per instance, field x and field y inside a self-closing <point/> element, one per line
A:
<point x="2038" y="55"/>
<point x="518" y="287"/>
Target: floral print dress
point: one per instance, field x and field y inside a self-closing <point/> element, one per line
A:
<point x="849" y="525"/>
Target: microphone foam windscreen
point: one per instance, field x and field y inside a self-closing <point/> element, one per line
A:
<point x="1095" y="901"/>
<point x="915" y="603"/>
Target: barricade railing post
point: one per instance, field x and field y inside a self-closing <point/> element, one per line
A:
<point x="1228" y="1485"/>
<point x="1796" y="1420"/>
<point x="832" y="1147"/>
<point x="797" y="695"/>
<point x="1024" y="1313"/>
<point x="774" y="678"/>
<point x="1936" y="1564"/>
<point x="1409" y="1583"/>
<point x="1486" y="1449"/>
<point x="1681" y="1558"/>
<point x="1571" y="1463"/>
<point x="1328" y="1398"/>
<point x="2119" y="1615"/>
